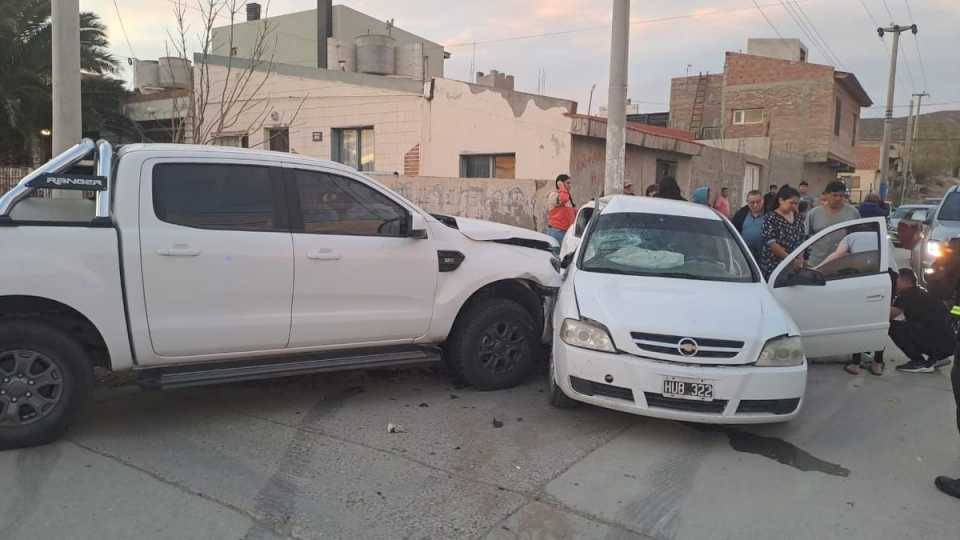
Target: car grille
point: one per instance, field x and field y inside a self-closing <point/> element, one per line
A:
<point x="706" y="347"/>
<point x="591" y="388"/>
<point x="769" y="406"/>
<point x="658" y="401"/>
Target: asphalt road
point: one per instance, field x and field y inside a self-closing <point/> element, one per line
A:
<point x="312" y="458"/>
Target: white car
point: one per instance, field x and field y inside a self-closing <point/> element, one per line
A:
<point x="663" y="312"/>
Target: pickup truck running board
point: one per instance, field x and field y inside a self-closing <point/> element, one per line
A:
<point x="181" y="376"/>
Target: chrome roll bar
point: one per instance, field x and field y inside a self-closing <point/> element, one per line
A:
<point x="103" y="168"/>
<point x="59" y="164"/>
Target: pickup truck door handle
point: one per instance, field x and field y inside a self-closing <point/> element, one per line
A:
<point x="875" y="297"/>
<point x="178" y="251"/>
<point x="323" y="255"/>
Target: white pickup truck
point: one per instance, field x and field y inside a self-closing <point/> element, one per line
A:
<point x="203" y="265"/>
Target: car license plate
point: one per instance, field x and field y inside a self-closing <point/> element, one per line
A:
<point x="695" y="389"/>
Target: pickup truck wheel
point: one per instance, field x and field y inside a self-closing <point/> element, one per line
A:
<point x="44" y="377"/>
<point x="495" y="346"/>
<point x="558" y="398"/>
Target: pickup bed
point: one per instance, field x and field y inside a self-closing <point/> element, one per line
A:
<point x="202" y="265"/>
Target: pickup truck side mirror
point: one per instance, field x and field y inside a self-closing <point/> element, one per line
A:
<point x="417" y="227"/>
<point x="806" y="277"/>
<point x="567" y="259"/>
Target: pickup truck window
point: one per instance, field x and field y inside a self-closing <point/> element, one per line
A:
<point x="332" y="204"/>
<point x="215" y="196"/>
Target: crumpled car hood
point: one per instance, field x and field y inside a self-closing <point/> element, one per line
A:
<point x="478" y="229"/>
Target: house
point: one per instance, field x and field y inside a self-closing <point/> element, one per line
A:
<point x="771" y="103"/>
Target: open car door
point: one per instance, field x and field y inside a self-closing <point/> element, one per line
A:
<point x="841" y="303"/>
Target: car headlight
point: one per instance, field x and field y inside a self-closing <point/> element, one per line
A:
<point x="586" y="334"/>
<point x="934" y="249"/>
<point x="784" y="351"/>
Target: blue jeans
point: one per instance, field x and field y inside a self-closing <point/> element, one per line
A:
<point x="557" y="234"/>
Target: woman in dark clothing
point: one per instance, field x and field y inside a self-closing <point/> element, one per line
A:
<point x="668" y="189"/>
<point x="782" y="230"/>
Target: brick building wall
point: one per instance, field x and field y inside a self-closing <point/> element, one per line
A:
<point x="683" y="92"/>
<point x="798" y="99"/>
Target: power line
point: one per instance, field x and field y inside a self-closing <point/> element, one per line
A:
<point x="123" y="29"/>
<point x="760" y="9"/>
<point x="817" y="32"/>
<point x="916" y="37"/>
<point x="806" y="32"/>
<point x="890" y="13"/>
<point x="696" y="15"/>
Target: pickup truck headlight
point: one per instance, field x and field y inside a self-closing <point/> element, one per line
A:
<point x="587" y="334"/>
<point x="934" y="249"/>
<point x="784" y="351"/>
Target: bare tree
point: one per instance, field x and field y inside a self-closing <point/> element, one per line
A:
<point x="223" y="99"/>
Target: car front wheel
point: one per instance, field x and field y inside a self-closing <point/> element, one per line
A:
<point x="44" y="377"/>
<point x="495" y="345"/>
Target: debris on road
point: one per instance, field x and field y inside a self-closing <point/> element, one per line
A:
<point x="497" y="423"/>
<point x="395" y="428"/>
<point x="424" y="405"/>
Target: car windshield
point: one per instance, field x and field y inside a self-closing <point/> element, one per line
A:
<point x="950" y="210"/>
<point x="682" y="247"/>
<point x="902" y="211"/>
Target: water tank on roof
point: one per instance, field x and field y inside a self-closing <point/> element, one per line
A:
<point x="174" y="72"/>
<point x="376" y="54"/>
<point x="146" y="75"/>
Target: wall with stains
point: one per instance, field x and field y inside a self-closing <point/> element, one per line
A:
<point x="514" y="202"/>
<point x="463" y="118"/>
<point x="588" y="165"/>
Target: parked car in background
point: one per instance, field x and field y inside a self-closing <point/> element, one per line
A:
<point x="203" y="264"/>
<point x="926" y="238"/>
<point x="663" y="312"/>
<point x="911" y="213"/>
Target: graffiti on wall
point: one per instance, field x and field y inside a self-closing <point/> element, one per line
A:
<point x="513" y="202"/>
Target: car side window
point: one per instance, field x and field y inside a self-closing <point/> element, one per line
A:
<point x="583" y="218"/>
<point x="852" y="251"/>
<point x="217" y="196"/>
<point x="918" y="215"/>
<point x="333" y="204"/>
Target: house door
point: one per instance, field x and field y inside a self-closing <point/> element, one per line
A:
<point x="751" y="180"/>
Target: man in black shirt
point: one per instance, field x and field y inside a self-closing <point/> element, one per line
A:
<point x="770" y="201"/>
<point x="926" y="330"/>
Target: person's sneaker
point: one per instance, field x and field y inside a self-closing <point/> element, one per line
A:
<point x="916" y="367"/>
<point x="943" y="362"/>
<point x="876" y="368"/>
<point x="852" y="368"/>
<point x="948" y="485"/>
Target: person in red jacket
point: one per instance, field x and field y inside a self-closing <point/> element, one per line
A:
<point x="563" y="210"/>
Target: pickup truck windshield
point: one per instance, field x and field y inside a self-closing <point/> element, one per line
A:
<point x="950" y="211"/>
<point x="665" y="246"/>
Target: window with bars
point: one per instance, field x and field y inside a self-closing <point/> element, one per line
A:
<point x="488" y="166"/>
<point x="749" y="116"/>
<point x="354" y="147"/>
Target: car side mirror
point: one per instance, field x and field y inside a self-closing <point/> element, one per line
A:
<point x="417" y="226"/>
<point x="806" y="277"/>
<point x="567" y="259"/>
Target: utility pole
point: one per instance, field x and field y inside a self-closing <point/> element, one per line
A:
<point x="888" y="115"/>
<point x="617" y="98"/>
<point x="915" y="134"/>
<point x="67" y="121"/>
<point x="908" y="152"/>
<point x="67" y="128"/>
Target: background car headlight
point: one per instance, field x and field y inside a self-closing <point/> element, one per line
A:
<point x="586" y="334"/>
<point x="934" y="249"/>
<point x="783" y="351"/>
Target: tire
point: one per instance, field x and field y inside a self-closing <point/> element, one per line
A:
<point x="558" y="398"/>
<point x="495" y="345"/>
<point x="45" y="376"/>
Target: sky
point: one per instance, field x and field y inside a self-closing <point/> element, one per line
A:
<point x="667" y="39"/>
